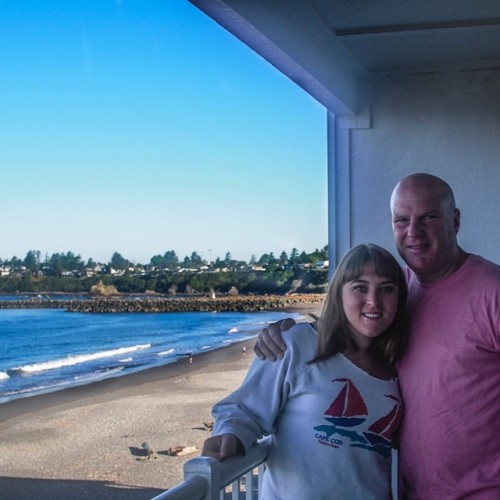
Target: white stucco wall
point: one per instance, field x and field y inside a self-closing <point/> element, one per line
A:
<point x="447" y="125"/>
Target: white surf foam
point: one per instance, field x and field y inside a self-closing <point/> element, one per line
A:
<point x="75" y="360"/>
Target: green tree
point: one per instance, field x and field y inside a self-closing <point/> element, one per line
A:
<point x="283" y="258"/>
<point x="264" y="259"/>
<point x="26" y="283"/>
<point x="32" y="260"/>
<point x="157" y="261"/>
<point x="15" y="263"/>
<point x="272" y="263"/>
<point x="218" y="264"/>
<point x="195" y="259"/>
<point x="304" y="258"/>
<point x="60" y="262"/>
<point x="171" y="261"/>
<point x="56" y="264"/>
<point x="119" y="262"/>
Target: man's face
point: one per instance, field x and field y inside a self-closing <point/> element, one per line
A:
<point x="425" y="226"/>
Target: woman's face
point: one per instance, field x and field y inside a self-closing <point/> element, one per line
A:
<point x="370" y="304"/>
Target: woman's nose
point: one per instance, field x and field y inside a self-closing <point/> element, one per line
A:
<point x="372" y="298"/>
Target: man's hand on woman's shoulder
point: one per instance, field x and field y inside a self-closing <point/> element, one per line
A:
<point x="270" y="345"/>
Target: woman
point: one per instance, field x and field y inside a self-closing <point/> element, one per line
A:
<point x="333" y="405"/>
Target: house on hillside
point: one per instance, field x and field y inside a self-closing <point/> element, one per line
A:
<point x="321" y="264"/>
<point x="5" y="270"/>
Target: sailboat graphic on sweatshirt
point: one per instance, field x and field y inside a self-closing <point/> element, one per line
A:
<point x="347" y="414"/>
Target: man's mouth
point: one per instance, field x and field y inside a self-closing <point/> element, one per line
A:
<point x="417" y="248"/>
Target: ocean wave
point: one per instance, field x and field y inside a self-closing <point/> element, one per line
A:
<point x="75" y="360"/>
<point x="233" y="330"/>
<point x="4" y="376"/>
<point x="6" y="396"/>
<point x="30" y="391"/>
<point x="99" y="374"/>
<point x="164" y="353"/>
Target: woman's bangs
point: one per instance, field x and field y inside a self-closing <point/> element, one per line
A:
<point x="370" y="259"/>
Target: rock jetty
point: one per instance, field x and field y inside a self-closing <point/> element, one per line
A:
<point x="122" y="304"/>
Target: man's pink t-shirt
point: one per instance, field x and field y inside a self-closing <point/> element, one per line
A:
<point x="450" y="382"/>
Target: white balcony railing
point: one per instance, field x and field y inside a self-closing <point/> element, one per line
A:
<point x="235" y="478"/>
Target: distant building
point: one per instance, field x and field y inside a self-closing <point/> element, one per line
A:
<point x="307" y="265"/>
<point x="258" y="267"/>
<point x="321" y="264"/>
<point x="116" y="272"/>
<point x="5" y="270"/>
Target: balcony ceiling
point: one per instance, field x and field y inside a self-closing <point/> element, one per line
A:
<point x="410" y="36"/>
<point x="334" y="48"/>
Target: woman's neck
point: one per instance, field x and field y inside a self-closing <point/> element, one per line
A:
<point x="370" y="363"/>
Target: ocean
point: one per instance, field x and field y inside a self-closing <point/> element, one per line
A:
<point x="45" y="350"/>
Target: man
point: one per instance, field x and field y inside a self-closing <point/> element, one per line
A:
<point x="450" y="374"/>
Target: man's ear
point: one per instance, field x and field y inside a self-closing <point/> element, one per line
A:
<point x="456" y="219"/>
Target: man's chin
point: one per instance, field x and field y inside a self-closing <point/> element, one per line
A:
<point x="416" y="262"/>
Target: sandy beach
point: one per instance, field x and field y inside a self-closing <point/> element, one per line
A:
<point x="86" y="442"/>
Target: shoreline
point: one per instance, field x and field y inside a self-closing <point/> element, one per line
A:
<point x="9" y="406"/>
<point x="114" y="386"/>
<point x="86" y="441"/>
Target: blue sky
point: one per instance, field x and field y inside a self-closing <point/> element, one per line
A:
<point x="142" y="126"/>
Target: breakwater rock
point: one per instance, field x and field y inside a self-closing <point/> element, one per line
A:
<point x="34" y="304"/>
<point x="162" y="304"/>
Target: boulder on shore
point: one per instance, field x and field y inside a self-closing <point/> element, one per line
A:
<point x="103" y="290"/>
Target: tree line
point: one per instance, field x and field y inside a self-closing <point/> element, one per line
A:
<point x="167" y="274"/>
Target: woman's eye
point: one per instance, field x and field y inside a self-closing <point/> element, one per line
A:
<point x="388" y="289"/>
<point x="359" y="288"/>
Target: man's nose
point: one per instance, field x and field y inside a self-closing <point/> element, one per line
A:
<point x="414" y="227"/>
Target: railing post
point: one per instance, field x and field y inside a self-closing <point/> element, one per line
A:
<point x="205" y="478"/>
<point x="195" y="488"/>
<point x="209" y="469"/>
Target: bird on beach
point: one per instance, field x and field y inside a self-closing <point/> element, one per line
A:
<point x="208" y="425"/>
<point x="147" y="449"/>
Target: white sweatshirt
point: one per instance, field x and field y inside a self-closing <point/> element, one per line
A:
<point x="331" y="423"/>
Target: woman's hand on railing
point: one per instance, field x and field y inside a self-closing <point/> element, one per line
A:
<point x="221" y="447"/>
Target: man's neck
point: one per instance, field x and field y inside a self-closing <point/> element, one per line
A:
<point x="455" y="265"/>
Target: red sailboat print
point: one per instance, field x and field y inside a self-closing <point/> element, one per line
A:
<point x="348" y="407"/>
<point x="382" y="430"/>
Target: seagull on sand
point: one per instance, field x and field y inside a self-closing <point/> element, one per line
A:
<point x="147" y="449"/>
